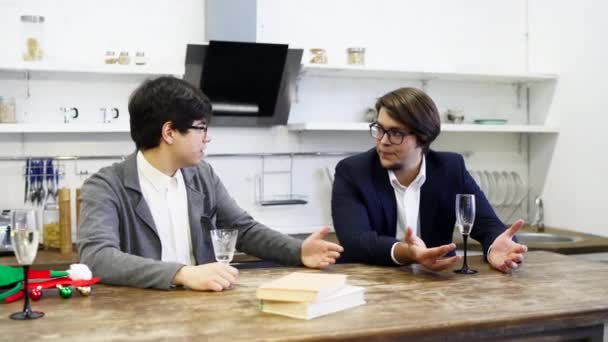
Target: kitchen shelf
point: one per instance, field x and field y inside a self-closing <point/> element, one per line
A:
<point x="465" y="128"/>
<point x="366" y="72"/>
<point x="64" y="128"/>
<point x="101" y="69"/>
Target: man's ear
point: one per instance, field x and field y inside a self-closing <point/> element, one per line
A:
<point x="167" y="132"/>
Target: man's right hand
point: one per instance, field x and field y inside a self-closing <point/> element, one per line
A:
<point x="413" y="249"/>
<point x="207" y="277"/>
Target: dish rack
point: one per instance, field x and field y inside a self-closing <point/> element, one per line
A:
<point x="288" y="198"/>
<point x="506" y="191"/>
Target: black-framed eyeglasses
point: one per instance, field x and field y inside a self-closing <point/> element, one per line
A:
<point x="395" y="136"/>
<point x="201" y="129"/>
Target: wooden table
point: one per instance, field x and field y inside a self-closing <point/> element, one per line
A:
<point x="550" y="295"/>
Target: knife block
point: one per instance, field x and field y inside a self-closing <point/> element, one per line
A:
<point x="65" y="221"/>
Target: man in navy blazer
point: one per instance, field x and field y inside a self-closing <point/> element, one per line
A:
<point x="395" y="204"/>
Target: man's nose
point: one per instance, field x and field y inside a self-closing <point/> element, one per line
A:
<point x="385" y="139"/>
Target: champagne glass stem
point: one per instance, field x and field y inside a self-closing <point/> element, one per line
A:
<point x="465" y="237"/>
<point x="26" y="305"/>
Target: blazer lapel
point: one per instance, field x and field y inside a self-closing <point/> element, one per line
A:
<point x="428" y="202"/>
<point x="196" y="216"/>
<point x="131" y="181"/>
<point x="386" y="195"/>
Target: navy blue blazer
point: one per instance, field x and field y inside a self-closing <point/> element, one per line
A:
<point x="364" y="208"/>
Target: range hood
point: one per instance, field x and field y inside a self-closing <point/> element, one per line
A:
<point x="249" y="84"/>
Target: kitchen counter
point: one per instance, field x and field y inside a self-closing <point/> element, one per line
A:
<point x="552" y="296"/>
<point x="584" y="243"/>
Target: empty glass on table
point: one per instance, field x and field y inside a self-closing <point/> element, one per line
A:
<point x="465" y="218"/>
<point x="224" y="243"/>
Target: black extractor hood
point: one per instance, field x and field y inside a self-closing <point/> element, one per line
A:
<point x="249" y="84"/>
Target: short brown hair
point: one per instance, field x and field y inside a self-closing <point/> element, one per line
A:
<point x="415" y="109"/>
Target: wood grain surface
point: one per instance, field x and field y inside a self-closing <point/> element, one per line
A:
<point x="549" y="294"/>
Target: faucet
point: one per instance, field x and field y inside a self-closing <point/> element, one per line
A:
<point x="539" y="218"/>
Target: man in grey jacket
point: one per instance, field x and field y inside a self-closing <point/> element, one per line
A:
<point x="145" y="222"/>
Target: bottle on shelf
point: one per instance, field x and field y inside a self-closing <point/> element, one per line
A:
<point x="65" y="221"/>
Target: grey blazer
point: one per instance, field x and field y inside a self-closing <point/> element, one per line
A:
<point x="119" y="242"/>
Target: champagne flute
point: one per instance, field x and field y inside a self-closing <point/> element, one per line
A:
<point x="465" y="217"/>
<point x="24" y="239"/>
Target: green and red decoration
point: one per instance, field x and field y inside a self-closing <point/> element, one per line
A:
<point x="11" y="282"/>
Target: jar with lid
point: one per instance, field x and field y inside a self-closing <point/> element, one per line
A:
<point x="318" y="56"/>
<point x="51" y="235"/>
<point x="124" y="58"/>
<point x="140" y="58"/>
<point x="7" y="109"/>
<point x="33" y="29"/>
<point x="356" y="55"/>
<point x="111" y="57"/>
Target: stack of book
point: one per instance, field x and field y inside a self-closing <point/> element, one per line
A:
<point x="307" y="295"/>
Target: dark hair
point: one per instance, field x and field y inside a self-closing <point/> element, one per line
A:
<point x="416" y="110"/>
<point x="164" y="99"/>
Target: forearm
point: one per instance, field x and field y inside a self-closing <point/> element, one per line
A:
<point x="118" y="268"/>
<point x="265" y="243"/>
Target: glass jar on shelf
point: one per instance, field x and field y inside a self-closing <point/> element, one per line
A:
<point x="123" y="58"/>
<point x="7" y="109"/>
<point x="140" y="58"/>
<point x="111" y="57"/>
<point x="318" y="56"/>
<point x="33" y="29"/>
<point x="50" y="231"/>
<point x="356" y="56"/>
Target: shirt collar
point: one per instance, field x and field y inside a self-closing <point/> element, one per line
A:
<point x="418" y="181"/>
<point x="159" y="180"/>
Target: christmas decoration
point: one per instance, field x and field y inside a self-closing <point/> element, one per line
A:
<point x="11" y="281"/>
<point x="84" y="290"/>
<point x="36" y="294"/>
<point x="65" y="292"/>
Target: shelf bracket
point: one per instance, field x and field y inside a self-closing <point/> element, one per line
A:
<point x="519" y="88"/>
<point x="424" y="85"/>
<point x="296" y="88"/>
<point x="467" y="154"/>
<point x="27" y="84"/>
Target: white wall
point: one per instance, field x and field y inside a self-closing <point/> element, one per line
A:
<point x="434" y="34"/>
<point x="569" y="38"/>
<point x="472" y="36"/>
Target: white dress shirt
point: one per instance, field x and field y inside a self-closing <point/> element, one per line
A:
<point x="408" y="204"/>
<point x="168" y="202"/>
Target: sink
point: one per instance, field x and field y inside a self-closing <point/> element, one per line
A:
<point x="542" y="238"/>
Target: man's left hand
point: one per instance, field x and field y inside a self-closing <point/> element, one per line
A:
<point x="318" y="253"/>
<point x="507" y="254"/>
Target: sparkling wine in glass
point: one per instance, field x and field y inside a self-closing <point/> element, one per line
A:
<point x="24" y="239"/>
<point x="465" y="218"/>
